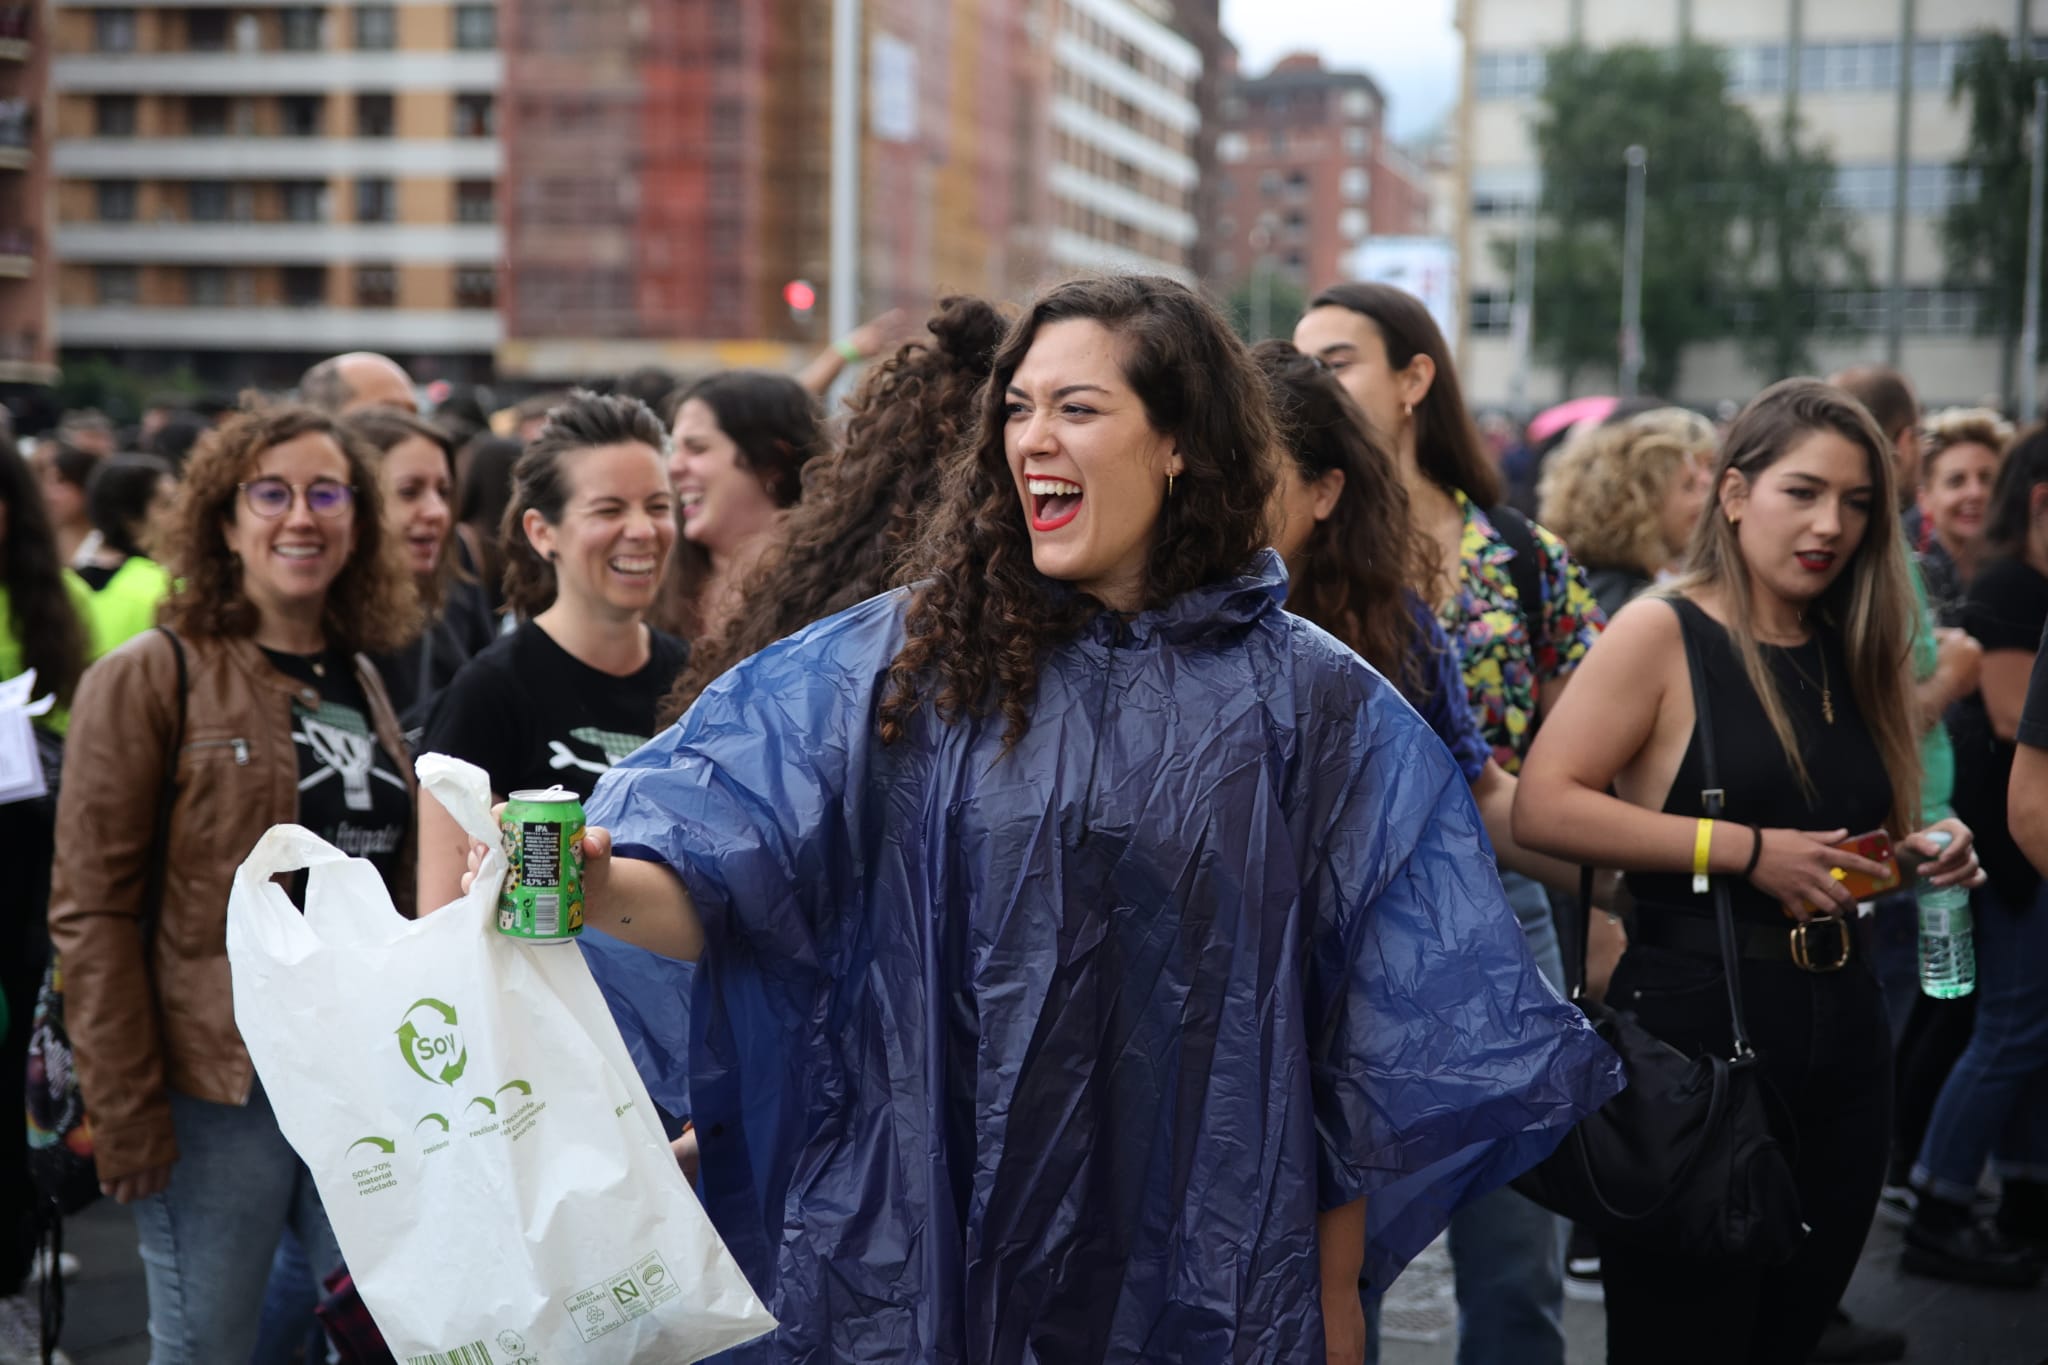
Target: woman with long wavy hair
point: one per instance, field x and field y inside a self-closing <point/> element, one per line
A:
<point x="858" y="518"/>
<point x="1059" y="919"/>
<point x="1798" y="605"/>
<point x="258" y="706"/>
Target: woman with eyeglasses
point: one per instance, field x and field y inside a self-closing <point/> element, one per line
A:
<point x="258" y="708"/>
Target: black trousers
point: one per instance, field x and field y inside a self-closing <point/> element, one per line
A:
<point x="1826" y="1049"/>
<point x="26" y="843"/>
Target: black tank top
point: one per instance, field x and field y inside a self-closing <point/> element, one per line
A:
<point x="1851" y="789"/>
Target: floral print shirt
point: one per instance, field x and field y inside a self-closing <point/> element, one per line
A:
<point x="1507" y="649"/>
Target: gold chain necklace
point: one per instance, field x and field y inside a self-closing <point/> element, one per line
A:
<point x="1827" y="697"/>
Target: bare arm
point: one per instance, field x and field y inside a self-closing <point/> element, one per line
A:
<point x="2003" y="682"/>
<point x="444" y="854"/>
<point x="1494" y="793"/>
<point x="1957" y="661"/>
<point x="641" y="902"/>
<point x="1340" y="1242"/>
<point x="868" y="340"/>
<point x="1601" y="729"/>
<point x="2027" y="804"/>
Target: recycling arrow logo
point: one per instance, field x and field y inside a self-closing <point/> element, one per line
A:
<point x="431" y="1039"/>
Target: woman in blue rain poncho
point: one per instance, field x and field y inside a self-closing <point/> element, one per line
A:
<point x="1096" y="963"/>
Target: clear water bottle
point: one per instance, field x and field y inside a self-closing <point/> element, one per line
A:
<point x="1948" y="950"/>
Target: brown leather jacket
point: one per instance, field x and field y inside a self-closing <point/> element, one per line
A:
<point x="141" y="1029"/>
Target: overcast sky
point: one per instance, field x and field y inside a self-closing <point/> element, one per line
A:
<point x="1410" y="47"/>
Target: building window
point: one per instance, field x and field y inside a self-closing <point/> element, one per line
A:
<point x="305" y="201"/>
<point x="1862" y="189"/>
<point x="1230" y="147"/>
<point x="1934" y="64"/>
<point x="375" y="116"/>
<point x="1353" y="225"/>
<point x="302" y="115"/>
<point x="206" y="115"/>
<point x="305" y="29"/>
<point x="1355" y="184"/>
<point x="1493" y="312"/>
<point x="476" y="27"/>
<point x="376" y="286"/>
<point x="477" y="116"/>
<point x="1357" y="104"/>
<point x="476" y="287"/>
<point x="1357" y="141"/>
<point x="1508" y="75"/>
<point x="118" y="286"/>
<point x="206" y="286"/>
<point x="1826" y="67"/>
<point x="1756" y="70"/>
<point x="476" y="201"/>
<point x="305" y="286"/>
<point x="206" y="30"/>
<point x="113" y="116"/>
<point x="376" y="201"/>
<point x="206" y="201"/>
<point x="376" y="28"/>
<point x="1504" y="193"/>
<point x="116" y="201"/>
<point x="113" y="30"/>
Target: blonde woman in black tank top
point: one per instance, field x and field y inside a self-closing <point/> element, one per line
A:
<point x="1799" y="603"/>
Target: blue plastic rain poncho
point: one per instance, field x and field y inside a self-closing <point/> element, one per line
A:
<point x="1055" y="1055"/>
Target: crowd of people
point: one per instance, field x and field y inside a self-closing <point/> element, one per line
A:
<point x="1081" y="828"/>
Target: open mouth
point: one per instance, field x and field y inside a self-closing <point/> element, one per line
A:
<point x="689" y="502"/>
<point x="1816" y="561"/>
<point x="300" y="552"/>
<point x="633" y="566"/>
<point x="1054" y="502"/>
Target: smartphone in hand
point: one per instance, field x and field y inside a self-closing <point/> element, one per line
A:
<point x="1877" y="847"/>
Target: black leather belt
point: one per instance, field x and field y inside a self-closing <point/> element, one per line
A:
<point x="1823" y="944"/>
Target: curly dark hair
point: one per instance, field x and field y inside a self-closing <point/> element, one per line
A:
<point x="1447" y="443"/>
<point x="53" y="638"/>
<point x="861" y="503"/>
<point x="1358" y="563"/>
<point x="372" y="605"/>
<point x="775" y="424"/>
<point x="540" y="480"/>
<point x="983" y="617"/>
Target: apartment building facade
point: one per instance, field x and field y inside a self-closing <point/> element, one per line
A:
<point x="1307" y="173"/>
<point x="1869" y="80"/>
<point x="26" y="270"/>
<point x="243" y="188"/>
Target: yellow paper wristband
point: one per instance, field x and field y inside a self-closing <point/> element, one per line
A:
<point x="1702" y="847"/>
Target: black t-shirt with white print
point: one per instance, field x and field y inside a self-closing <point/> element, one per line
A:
<point x="352" y="793"/>
<point x="532" y="715"/>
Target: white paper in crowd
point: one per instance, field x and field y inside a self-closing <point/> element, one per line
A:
<point x="496" y="1175"/>
<point x="21" y="764"/>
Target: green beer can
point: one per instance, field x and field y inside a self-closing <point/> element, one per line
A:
<point x="543" y="898"/>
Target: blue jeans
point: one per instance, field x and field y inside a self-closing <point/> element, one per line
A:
<point x="289" y="1326"/>
<point x="208" y="1241"/>
<point x="1995" y="1103"/>
<point x="1508" y="1253"/>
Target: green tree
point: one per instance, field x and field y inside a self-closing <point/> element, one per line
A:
<point x="1729" y="221"/>
<point x="1284" y="304"/>
<point x="1984" y="233"/>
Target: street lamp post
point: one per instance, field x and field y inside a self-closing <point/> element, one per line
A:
<point x="1632" y="276"/>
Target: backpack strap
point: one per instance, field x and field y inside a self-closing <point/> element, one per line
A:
<point x="167" y="796"/>
<point x="1527" y="568"/>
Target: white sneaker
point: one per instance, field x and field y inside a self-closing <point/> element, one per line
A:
<point x="21" y="1333"/>
<point x="67" y="1265"/>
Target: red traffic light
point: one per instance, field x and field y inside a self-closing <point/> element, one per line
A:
<point x="799" y="295"/>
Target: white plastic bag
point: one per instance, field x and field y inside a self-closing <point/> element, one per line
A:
<point x="495" y="1173"/>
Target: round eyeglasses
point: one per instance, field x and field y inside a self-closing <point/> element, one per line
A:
<point x="272" y="498"/>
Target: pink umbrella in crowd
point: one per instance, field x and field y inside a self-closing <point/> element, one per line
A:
<point x="1550" y="421"/>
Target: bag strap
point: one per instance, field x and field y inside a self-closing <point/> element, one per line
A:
<point x="1712" y="802"/>
<point x="1526" y="568"/>
<point x="167" y="796"/>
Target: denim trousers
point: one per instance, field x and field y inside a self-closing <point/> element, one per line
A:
<point x="1995" y="1104"/>
<point x="208" y="1241"/>
<point x="1825" y="1046"/>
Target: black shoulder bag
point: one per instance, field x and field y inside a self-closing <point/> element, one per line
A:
<point x="1683" y="1161"/>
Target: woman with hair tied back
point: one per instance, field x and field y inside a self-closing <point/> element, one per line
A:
<point x="130" y="499"/>
<point x="858" y="518"/>
<point x="1086" y="946"/>
<point x="574" y="688"/>
<point x="258" y="706"/>
<point x="742" y="440"/>
<point x="1797" y="603"/>
<point x="1626" y="495"/>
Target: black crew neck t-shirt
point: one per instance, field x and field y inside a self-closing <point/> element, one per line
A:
<point x="2006" y="609"/>
<point x="352" y="792"/>
<point x="531" y="714"/>
<point x="2034" y="714"/>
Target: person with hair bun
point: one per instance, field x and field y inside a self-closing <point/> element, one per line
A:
<point x="1625" y="496"/>
<point x="742" y="440"/>
<point x="257" y="706"/>
<point x="862" y="501"/>
<point x="1095" y="961"/>
<point x="574" y="688"/>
